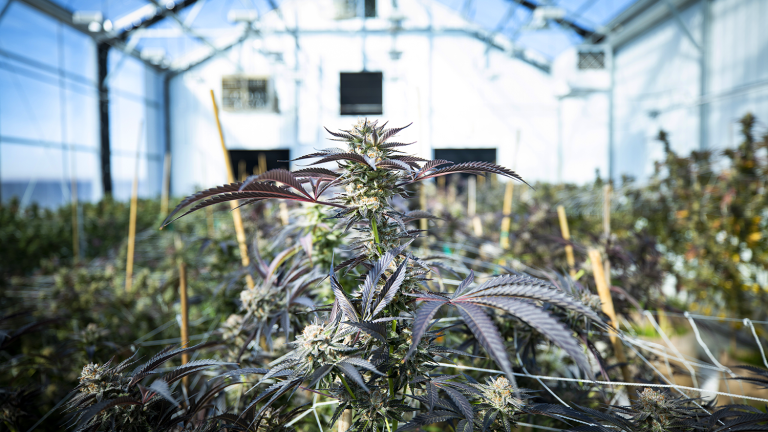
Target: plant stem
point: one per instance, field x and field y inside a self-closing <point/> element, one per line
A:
<point x="347" y="386"/>
<point x="392" y="380"/>
<point x="375" y="231"/>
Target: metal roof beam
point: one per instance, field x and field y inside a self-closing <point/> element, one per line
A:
<point x="64" y="16"/>
<point x="161" y="13"/>
<point x="578" y="29"/>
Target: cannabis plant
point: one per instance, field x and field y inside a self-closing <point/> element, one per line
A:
<point x="111" y="398"/>
<point x="373" y="348"/>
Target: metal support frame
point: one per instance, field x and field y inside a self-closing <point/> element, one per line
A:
<point x="64" y="16"/>
<point x="578" y="29"/>
<point x="5" y="9"/>
<point x="105" y="154"/>
<point x="187" y="29"/>
<point x="704" y="74"/>
<point x="167" y="117"/>
<point x="682" y="25"/>
<point x="162" y="13"/>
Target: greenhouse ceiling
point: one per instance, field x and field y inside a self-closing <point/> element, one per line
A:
<point x="176" y="35"/>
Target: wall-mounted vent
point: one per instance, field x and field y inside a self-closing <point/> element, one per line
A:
<point x="252" y="162"/>
<point x="360" y="93"/>
<point x="248" y="93"/>
<point x="461" y="155"/>
<point x="346" y="9"/>
<point x="591" y="59"/>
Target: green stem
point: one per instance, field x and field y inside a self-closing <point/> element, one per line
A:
<point x="392" y="380"/>
<point x="347" y="386"/>
<point x="375" y="230"/>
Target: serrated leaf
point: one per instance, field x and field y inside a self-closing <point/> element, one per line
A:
<point x="544" y="323"/>
<point x="344" y="304"/>
<point x="279" y="175"/>
<point x="350" y="372"/>
<point x="421" y="323"/>
<point x="464" y="284"/>
<point x="355" y="361"/>
<point x="377" y="331"/>
<point x="161" y="387"/>
<point x="461" y="401"/>
<point x="428" y="418"/>
<point x="487" y="334"/>
<point x="391" y="287"/>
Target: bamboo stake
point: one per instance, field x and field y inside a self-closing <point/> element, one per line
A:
<point x="567" y="237"/>
<point x="607" y="230"/>
<point x="423" y="225"/>
<point x="184" y="312"/>
<point x="345" y="421"/>
<point x="607" y="304"/>
<point x="237" y="218"/>
<point x="75" y="222"/>
<point x="472" y="205"/>
<point x="262" y="163"/>
<point x="242" y="174"/>
<point x="209" y="219"/>
<point x="132" y="217"/>
<point x="508" y="195"/>
<point x="284" y="212"/>
<point x="184" y="302"/>
<point x="166" y="192"/>
<point x="507" y="211"/>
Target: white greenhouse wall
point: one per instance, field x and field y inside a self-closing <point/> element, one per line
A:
<point x="657" y="82"/>
<point x="738" y="68"/>
<point x="455" y="95"/>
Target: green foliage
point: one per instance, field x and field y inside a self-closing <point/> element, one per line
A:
<point x="33" y="236"/>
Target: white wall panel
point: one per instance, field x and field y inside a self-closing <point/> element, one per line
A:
<point x="455" y="95"/>
<point x="738" y="67"/>
<point x="656" y="85"/>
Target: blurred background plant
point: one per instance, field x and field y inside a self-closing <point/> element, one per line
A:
<point x="691" y="239"/>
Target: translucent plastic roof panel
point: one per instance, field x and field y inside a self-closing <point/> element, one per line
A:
<point x="185" y="35"/>
<point x="540" y="30"/>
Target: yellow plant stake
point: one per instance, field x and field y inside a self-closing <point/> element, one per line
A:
<point x="237" y="218"/>
<point x="262" y="163"/>
<point x="472" y="205"/>
<point x="184" y="304"/>
<point x="166" y="192"/>
<point x="75" y="222"/>
<point x="607" y="229"/>
<point x="132" y="217"/>
<point x="607" y="304"/>
<point x="567" y="237"/>
<point x="423" y="204"/>
<point x="508" y="195"/>
<point x="507" y="211"/>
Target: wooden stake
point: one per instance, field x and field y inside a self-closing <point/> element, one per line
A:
<point x="283" y="212"/>
<point x="262" y="163"/>
<point x="508" y="195"/>
<point x="472" y="205"/>
<point x="507" y="211"/>
<point x="242" y="174"/>
<point x="567" y="237"/>
<point x="607" y="304"/>
<point x="423" y="225"/>
<point x="237" y="218"/>
<point x="209" y="219"/>
<point x="607" y="230"/>
<point x="75" y="222"/>
<point x="184" y="302"/>
<point x="184" y="310"/>
<point x="166" y="192"/>
<point x="132" y="217"/>
<point x="345" y="421"/>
